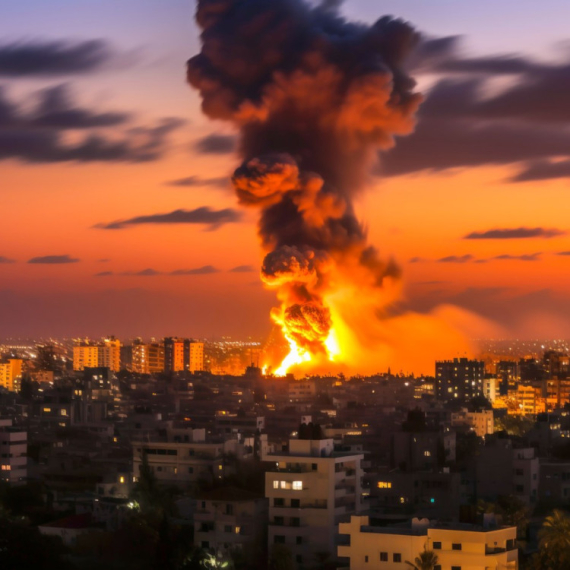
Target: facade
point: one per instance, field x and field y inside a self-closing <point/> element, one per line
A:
<point x="311" y="490"/>
<point x="482" y="423"/>
<point x="465" y="547"/>
<point x="11" y="374"/>
<point x="85" y="356"/>
<point x="186" y="462"/>
<point x="13" y="452"/>
<point x="109" y="354"/>
<point x="459" y="378"/>
<point x="229" y="520"/>
<point x="155" y="356"/>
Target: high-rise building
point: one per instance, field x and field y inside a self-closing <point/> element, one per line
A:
<point x="311" y="490"/>
<point x="140" y="357"/>
<point x="11" y="373"/>
<point x="459" y="378"/>
<point x="109" y="354"/>
<point x="85" y="356"/>
<point x="195" y="358"/>
<point x="155" y="355"/>
<point x="13" y="452"/>
<point x="173" y="354"/>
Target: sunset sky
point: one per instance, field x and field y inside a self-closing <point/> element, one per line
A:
<point x="116" y="217"/>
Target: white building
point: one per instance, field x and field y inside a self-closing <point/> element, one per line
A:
<point x="310" y="490"/>
<point x="458" y="547"/>
<point x="13" y="452"/>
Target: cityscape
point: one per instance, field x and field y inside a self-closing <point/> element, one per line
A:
<point x="284" y="285"/>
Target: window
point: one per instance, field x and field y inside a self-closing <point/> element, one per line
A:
<point x="278" y="539"/>
<point x="297" y="485"/>
<point x="366" y="559"/>
<point x="295" y="503"/>
<point x="299" y="540"/>
<point x="276" y="484"/>
<point x="384" y="484"/>
<point x="427" y="453"/>
<point x="314" y="466"/>
<point x="397" y="557"/>
<point x="278" y="502"/>
<point x="437" y="545"/>
<point x="456" y="568"/>
<point x="229" y="509"/>
<point x="238" y="530"/>
<point x="383" y="557"/>
<point x="190" y="469"/>
<point x="456" y="546"/>
<point x="279" y="521"/>
<point x="295" y="521"/>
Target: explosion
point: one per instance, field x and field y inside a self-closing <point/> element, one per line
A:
<point x="314" y="99"/>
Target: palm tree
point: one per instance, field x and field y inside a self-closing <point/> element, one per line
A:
<point x="427" y="560"/>
<point x="554" y="540"/>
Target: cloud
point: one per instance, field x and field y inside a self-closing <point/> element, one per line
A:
<point x="104" y="274"/>
<point x="144" y="273"/>
<point x="456" y="259"/>
<point x="204" y="270"/>
<point x="216" y="144"/>
<point x="197" y="181"/>
<point x="563" y="253"/>
<point x="524" y="257"/>
<point x="53" y="259"/>
<point x="242" y="269"/>
<point x="214" y="219"/>
<point x="543" y="170"/>
<point x="463" y="124"/>
<point x="104" y="260"/>
<point x="516" y="233"/>
<point x="50" y="58"/>
<point x="4" y="259"/>
<point x="417" y="260"/>
<point x="57" y="110"/>
<point x="38" y="135"/>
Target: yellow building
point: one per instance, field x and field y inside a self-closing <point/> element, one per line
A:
<point x="109" y="354"/>
<point x="196" y="356"/>
<point x="85" y="356"/>
<point x="468" y="547"/>
<point x="11" y="373"/>
<point x="155" y="352"/>
<point x="140" y="358"/>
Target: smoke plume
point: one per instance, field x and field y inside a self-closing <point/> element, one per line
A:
<point x="314" y="97"/>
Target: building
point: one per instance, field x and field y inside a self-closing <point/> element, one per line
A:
<point x="229" y="520"/>
<point x="185" y="460"/>
<point x="482" y="422"/>
<point x="195" y="358"/>
<point x="458" y="546"/>
<point x="173" y="354"/>
<point x="155" y="357"/>
<point x="459" y="378"/>
<point x="311" y="490"/>
<point x="13" y="452"/>
<point x="109" y="354"/>
<point x="85" y="356"/>
<point x="11" y="374"/>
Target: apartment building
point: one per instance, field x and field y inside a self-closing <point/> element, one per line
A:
<point x="13" y="452"/>
<point x="457" y="546"/>
<point x="230" y="520"/>
<point x="311" y="489"/>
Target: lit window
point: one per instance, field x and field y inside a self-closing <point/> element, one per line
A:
<point x="121" y="479"/>
<point x="427" y="453"/>
<point x="47" y="410"/>
<point x="297" y="485"/>
<point x="238" y="529"/>
<point x="384" y="484"/>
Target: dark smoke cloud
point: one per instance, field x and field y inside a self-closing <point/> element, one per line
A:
<point x="4" y="259"/>
<point x="38" y="135"/>
<point x="516" y="233"/>
<point x="53" y="259"/>
<point x="563" y="253"/>
<point x="314" y="97"/>
<point x="199" y="182"/>
<point x="216" y="144"/>
<point x="214" y="219"/>
<point x="49" y="58"/>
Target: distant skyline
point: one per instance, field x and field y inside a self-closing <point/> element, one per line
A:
<point x="117" y="218"/>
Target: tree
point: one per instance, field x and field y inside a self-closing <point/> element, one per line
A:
<point x="554" y="542"/>
<point x="426" y="560"/>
